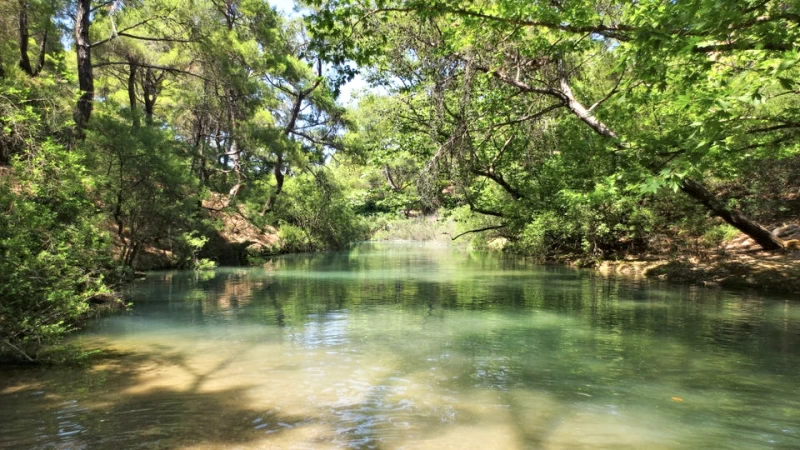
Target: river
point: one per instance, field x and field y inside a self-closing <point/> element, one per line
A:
<point x="412" y="346"/>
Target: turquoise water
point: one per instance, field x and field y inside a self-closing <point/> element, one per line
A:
<point x="415" y="346"/>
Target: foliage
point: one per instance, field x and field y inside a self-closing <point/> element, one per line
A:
<point x="144" y="182"/>
<point x="572" y="124"/>
<point x="559" y="127"/>
<point x="53" y="254"/>
<point x="315" y="214"/>
<point x="194" y="242"/>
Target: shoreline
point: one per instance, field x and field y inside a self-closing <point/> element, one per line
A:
<point x="764" y="272"/>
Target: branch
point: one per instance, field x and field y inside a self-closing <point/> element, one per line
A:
<point x="613" y="91"/>
<point x="102" y="5"/>
<point x="494" y="227"/>
<point x="18" y="350"/>
<point x="616" y="32"/>
<point x="497" y="178"/>
<point x="501" y="151"/>
<point x="520" y="84"/>
<point x="328" y="143"/>
<point x="153" y="39"/>
<point x="486" y="212"/>
<point x="528" y="117"/>
<point x="115" y="35"/>
<point x="583" y="114"/>
<point x="782" y="126"/>
<point x="151" y="66"/>
<point x="765" y="144"/>
<point x="743" y="45"/>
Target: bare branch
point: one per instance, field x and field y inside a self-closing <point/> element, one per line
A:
<point x="479" y="230"/>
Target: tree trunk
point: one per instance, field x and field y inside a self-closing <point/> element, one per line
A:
<point x="766" y="239"/>
<point x="83" y="50"/>
<point x="151" y="87"/>
<point x="42" y="51"/>
<point x="132" y="92"/>
<point x="24" y="36"/>
<point x="392" y="185"/>
<point x="279" y="177"/>
<point x="278" y="170"/>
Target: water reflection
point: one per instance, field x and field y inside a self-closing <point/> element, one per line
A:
<point x="412" y="347"/>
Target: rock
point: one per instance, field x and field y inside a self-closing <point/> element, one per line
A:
<point x="106" y="302"/>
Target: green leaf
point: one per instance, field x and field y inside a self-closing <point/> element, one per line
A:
<point x="786" y="83"/>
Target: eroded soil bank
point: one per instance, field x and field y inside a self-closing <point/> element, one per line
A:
<point x="767" y="272"/>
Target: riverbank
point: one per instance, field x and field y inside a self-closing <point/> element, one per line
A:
<point x="767" y="272"/>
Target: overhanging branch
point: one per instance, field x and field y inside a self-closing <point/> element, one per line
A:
<point x="479" y="230"/>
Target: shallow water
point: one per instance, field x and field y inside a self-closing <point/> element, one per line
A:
<point x="411" y="346"/>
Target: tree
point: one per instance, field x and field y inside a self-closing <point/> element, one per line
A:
<point x="713" y="84"/>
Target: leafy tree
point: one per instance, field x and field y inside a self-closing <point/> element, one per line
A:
<point x="670" y="94"/>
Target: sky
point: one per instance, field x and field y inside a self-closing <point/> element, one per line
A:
<point x="287" y="7"/>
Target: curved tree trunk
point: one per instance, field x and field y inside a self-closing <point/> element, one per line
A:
<point x="24" y="37"/>
<point x="279" y="177"/>
<point x="388" y="172"/>
<point x="765" y="238"/>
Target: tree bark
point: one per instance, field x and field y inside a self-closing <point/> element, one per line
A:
<point x="151" y="87"/>
<point x="42" y="51"/>
<point x="132" y="92"/>
<point x="766" y="239"/>
<point x="278" y="170"/>
<point x="83" y="50"/>
<point x="288" y="130"/>
<point x="479" y="230"/>
<point x="392" y="184"/>
<point x="497" y="178"/>
<point x="279" y="177"/>
<point x="24" y="36"/>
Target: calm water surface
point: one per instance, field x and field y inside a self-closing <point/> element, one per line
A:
<point x="397" y="346"/>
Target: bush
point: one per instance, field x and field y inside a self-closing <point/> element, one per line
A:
<point x="144" y="182"/>
<point x="53" y="253"/>
<point x="294" y="239"/>
<point x="715" y="236"/>
<point x="314" y="214"/>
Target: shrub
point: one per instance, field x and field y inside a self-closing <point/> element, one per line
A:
<point x="52" y="252"/>
<point x="314" y="213"/>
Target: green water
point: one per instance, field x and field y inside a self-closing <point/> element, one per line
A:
<point x="408" y="346"/>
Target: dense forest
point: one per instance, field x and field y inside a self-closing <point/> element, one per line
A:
<point x="165" y="134"/>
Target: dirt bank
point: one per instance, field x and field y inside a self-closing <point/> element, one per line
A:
<point x="766" y="272"/>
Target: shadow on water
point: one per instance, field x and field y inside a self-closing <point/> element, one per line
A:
<point x="390" y="347"/>
<point x="117" y="404"/>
